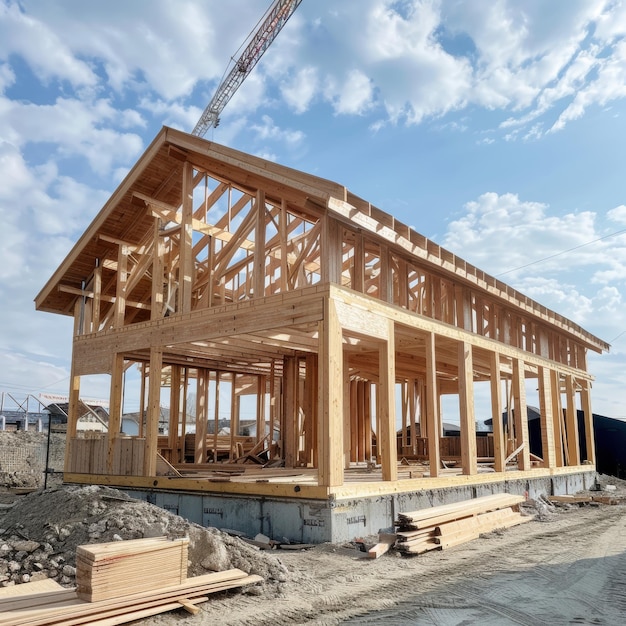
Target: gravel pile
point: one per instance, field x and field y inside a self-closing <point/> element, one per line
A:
<point x="40" y="532"/>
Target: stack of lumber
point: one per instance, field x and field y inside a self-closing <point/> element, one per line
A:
<point x="39" y="604"/>
<point x="110" y="570"/>
<point x="448" y="525"/>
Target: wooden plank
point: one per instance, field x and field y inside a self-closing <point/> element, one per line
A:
<point x="499" y="449"/>
<point x="386" y="405"/>
<point x="433" y="419"/>
<point x="466" y="406"/>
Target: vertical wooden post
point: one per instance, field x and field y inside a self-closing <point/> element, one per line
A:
<point x="466" y="406"/>
<point x="154" y="412"/>
<point x="216" y="416"/>
<point x="547" y="418"/>
<point x="120" y="290"/>
<point x="359" y="263"/>
<point x="259" y="246"/>
<point x="290" y="410"/>
<point x="284" y="266"/>
<point x="202" y="393"/>
<point x="386" y="404"/>
<point x="331" y="250"/>
<point x="330" y="393"/>
<point x="520" y="414"/>
<point x="158" y="252"/>
<point x="557" y="413"/>
<point x="585" y="399"/>
<point x="115" y="407"/>
<point x="234" y="416"/>
<point x="347" y="410"/>
<point x="433" y="425"/>
<point x="72" y="416"/>
<point x="186" y="242"/>
<point x="386" y="278"/>
<point x="97" y="293"/>
<point x="571" y="420"/>
<point x="354" y="420"/>
<point x="172" y="435"/>
<point x="142" y="400"/>
<point x="499" y="446"/>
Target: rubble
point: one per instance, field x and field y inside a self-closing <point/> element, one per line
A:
<point x="39" y="536"/>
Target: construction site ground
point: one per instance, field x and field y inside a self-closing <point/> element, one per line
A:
<point x="568" y="566"/>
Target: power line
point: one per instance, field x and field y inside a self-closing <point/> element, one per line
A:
<point x="552" y="256"/>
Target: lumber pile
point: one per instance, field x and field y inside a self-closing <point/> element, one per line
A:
<point x="118" y="583"/>
<point x="449" y="525"/>
<point x="118" y="568"/>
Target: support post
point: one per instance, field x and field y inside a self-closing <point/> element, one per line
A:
<point x="386" y="405"/>
<point x="571" y="422"/>
<point x="499" y="445"/>
<point x="433" y="426"/>
<point x="466" y="406"/>
<point x="547" y="418"/>
<point x="330" y="393"/>
<point x="154" y="412"/>
<point x="520" y="414"/>
<point x="585" y="398"/>
<point x="115" y="408"/>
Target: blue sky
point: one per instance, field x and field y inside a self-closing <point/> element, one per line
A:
<point x="494" y="128"/>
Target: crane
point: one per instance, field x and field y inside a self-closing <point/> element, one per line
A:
<point x="261" y="38"/>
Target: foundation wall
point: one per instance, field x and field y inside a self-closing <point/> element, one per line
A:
<point x="335" y="521"/>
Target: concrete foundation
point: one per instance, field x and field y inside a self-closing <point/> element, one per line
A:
<point x="335" y="521"/>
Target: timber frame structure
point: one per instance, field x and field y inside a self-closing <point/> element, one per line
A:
<point x="209" y="267"/>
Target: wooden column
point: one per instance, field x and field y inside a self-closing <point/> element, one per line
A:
<point x="466" y="406"/>
<point x="499" y="444"/>
<point x="154" y="412"/>
<point x="386" y="405"/>
<point x="347" y="409"/>
<point x="234" y="416"/>
<point x="202" y="414"/>
<point x="158" y="251"/>
<point x="172" y="435"/>
<point x="330" y="392"/>
<point x="433" y="425"/>
<point x="547" y="417"/>
<point x="331" y="250"/>
<point x="72" y="415"/>
<point x="259" y="246"/>
<point x="557" y="413"/>
<point x="585" y="399"/>
<point x="115" y="407"/>
<point x="571" y="423"/>
<point x="97" y="293"/>
<point x="216" y="416"/>
<point x="359" y="263"/>
<point x="290" y="410"/>
<point x="186" y="258"/>
<point x="120" y="290"/>
<point x="520" y="414"/>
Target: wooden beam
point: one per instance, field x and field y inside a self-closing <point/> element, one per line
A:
<point x="153" y="412"/>
<point x="466" y="407"/>
<point x="571" y="422"/>
<point x="433" y="421"/>
<point x="330" y="393"/>
<point x="547" y="416"/>
<point x="115" y="407"/>
<point x="520" y="414"/>
<point x="202" y="399"/>
<point x="585" y="399"/>
<point x="386" y="406"/>
<point x="499" y="445"/>
<point x="259" y="246"/>
<point x="290" y="410"/>
<point x="186" y="242"/>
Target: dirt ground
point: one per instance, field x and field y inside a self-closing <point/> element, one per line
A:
<point x="568" y="566"/>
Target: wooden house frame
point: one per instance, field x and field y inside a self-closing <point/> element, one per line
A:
<point x="210" y="267"/>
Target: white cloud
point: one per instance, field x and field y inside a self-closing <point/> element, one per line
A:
<point x="300" y="89"/>
<point x="50" y="57"/>
<point x="618" y="214"/>
<point x="353" y="96"/>
<point x="559" y="260"/>
<point x="269" y="130"/>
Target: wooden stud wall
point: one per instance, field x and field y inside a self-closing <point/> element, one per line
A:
<point x="229" y="284"/>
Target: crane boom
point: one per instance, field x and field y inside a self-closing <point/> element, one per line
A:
<point x="264" y="35"/>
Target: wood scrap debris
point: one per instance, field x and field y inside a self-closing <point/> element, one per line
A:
<point x="113" y="587"/>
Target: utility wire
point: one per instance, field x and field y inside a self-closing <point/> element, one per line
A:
<point x="552" y="256"/>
